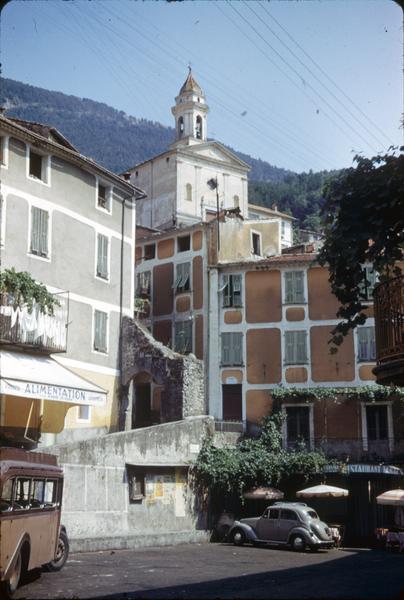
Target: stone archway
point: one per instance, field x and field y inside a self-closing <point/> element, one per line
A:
<point x="180" y="378"/>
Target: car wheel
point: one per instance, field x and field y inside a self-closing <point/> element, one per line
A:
<point x="239" y="537"/>
<point x="9" y="587"/>
<point x="298" y="543"/>
<point x="62" y="552"/>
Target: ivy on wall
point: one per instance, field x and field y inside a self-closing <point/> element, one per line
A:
<point x="253" y="462"/>
<point x="22" y="289"/>
<point x="366" y="393"/>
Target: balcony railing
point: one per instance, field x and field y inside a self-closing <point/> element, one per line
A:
<point x="34" y="329"/>
<point x="389" y="328"/>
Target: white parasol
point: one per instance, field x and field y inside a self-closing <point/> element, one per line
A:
<point x="391" y="498"/>
<point x="322" y="491"/>
<point x="263" y="493"/>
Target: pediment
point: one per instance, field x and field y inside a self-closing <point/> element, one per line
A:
<point x="216" y="152"/>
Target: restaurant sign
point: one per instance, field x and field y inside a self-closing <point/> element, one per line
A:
<point x="364" y="469"/>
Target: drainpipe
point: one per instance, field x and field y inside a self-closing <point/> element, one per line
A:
<point x="122" y="394"/>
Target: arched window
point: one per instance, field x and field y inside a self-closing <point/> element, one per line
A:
<point x="236" y="201"/>
<point x="198" y="127"/>
<point x="188" y="192"/>
<point x="180" y="127"/>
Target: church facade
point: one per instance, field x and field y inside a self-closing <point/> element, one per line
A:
<point x="195" y="176"/>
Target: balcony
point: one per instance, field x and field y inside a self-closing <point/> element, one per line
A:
<point x="34" y="330"/>
<point x="389" y="328"/>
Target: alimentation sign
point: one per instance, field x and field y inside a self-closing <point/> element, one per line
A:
<point x="56" y="393"/>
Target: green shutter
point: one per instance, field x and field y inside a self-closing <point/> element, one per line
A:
<point x="237" y="339"/>
<point x="43" y="232"/>
<point x="298" y="286"/>
<point x="289" y="287"/>
<point x="102" y="256"/>
<point x="301" y="347"/>
<point x="236" y="285"/>
<point x="289" y="347"/>
<point x="35" y="230"/>
<point x="226" y="291"/>
<point x="226" y="341"/>
<point x="100" y="331"/>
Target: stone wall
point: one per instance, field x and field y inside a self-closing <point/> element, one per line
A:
<point x="99" y="509"/>
<point x="183" y="394"/>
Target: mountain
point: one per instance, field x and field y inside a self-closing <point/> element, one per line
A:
<point x="119" y="141"/>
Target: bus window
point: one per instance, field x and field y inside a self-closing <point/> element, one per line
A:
<point x="50" y="493"/>
<point x="37" y="493"/>
<point x="22" y="493"/>
<point x="6" y="499"/>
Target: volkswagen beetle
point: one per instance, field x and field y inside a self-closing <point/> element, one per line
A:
<point x="284" y="523"/>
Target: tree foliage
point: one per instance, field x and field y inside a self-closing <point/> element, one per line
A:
<point x="253" y="461"/>
<point x="364" y="223"/>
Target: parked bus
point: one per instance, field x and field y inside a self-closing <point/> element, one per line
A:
<point x="31" y="486"/>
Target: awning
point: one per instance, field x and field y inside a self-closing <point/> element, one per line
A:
<point x="42" y="378"/>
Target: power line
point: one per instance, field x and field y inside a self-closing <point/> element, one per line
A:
<point x="264" y="7"/>
<point x="299" y="76"/>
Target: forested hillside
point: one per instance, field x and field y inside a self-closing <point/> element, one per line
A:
<point x="118" y="141"/>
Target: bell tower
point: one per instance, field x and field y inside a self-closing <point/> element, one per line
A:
<point x="190" y="113"/>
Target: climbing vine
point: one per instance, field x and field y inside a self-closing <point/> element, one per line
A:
<point x="254" y="461"/>
<point x="22" y="289"/>
<point x="367" y="392"/>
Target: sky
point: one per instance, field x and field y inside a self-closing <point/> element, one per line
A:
<point x="301" y="84"/>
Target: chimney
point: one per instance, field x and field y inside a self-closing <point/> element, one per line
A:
<point x="274" y="207"/>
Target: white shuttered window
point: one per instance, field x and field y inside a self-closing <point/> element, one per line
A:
<point x="366" y="344"/>
<point x="294" y="287"/>
<point x="183" y="337"/>
<point x="100" y="331"/>
<point x="39" y="231"/>
<point x="182" y="280"/>
<point x="295" y="347"/>
<point x="231" y="290"/>
<point x="232" y="348"/>
<point x="102" y="256"/>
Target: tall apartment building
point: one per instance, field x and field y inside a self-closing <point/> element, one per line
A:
<point x="70" y="224"/>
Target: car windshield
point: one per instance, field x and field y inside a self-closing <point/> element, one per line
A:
<point x="312" y="514"/>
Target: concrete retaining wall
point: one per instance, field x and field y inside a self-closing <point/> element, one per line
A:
<point x="100" y="509"/>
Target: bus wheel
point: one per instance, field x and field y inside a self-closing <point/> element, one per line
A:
<point x="62" y="552"/>
<point x="9" y="587"/>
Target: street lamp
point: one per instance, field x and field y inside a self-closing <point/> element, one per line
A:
<point x="214" y="185"/>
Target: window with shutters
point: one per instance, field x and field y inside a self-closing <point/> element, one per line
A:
<point x="377" y="422"/>
<point x="232" y="348"/>
<point x="102" y="256"/>
<point x="368" y="284"/>
<point x="39" y="232"/>
<point x="143" y="284"/>
<point x="296" y="347"/>
<point x="256" y="243"/>
<point x="232" y="290"/>
<point x="182" y="281"/>
<point x="366" y="344"/>
<point x="38" y="165"/>
<point x="183" y="337"/>
<point x="294" y="287"/>
<point x="100" y="331"/>
<point x="298" y="425"/>
<point x="104" y="197"/>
